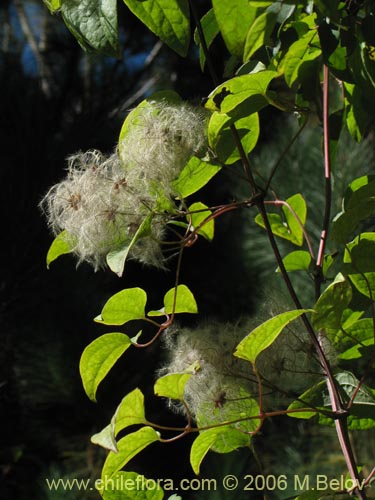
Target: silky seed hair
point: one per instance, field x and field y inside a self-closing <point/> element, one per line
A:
<point x="99" y="211"/>
<point x="159" y="142"/>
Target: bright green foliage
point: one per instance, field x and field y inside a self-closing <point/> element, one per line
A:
<point x="168" y="19"/>
<point x="247" y="92"/>
<point x="198" y="215"/>
<point x="130" y="411"/>
<point x="290" y="225"/>
<point x="220" y="135"/>
<point x="195" y="175"/>
<point x="53" y="5"/>
<point x="59" y="246"/>
<point x="124" y="306"/>
<point x="233" y="19"/>
<point x="177" y="301"/>
<point x="128" y="447"/>
<point x="264" y="335"/>
<point x="172" y="386"/>
<point x="140" y="488"/>
<point x="93" y="23"/>
<point x="99" y="357"/>
<point x="299" y="260"/>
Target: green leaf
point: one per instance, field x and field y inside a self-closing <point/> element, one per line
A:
<point x="197" y="218"/>
<point x="291" y="229"/>
<point x="358" y="117"/>
<point x="304" y="50"/>
<point x="234" y="19"/>
<point x="59" y="246"/>
<point x="131" y="411"/>
<point x="265" y="334"/>
<point x="359" y="263"/>
<point x="183" y="303"/>
<point x="332" y="303"/>
<point x="220" y="135"/>
<point x="129" y="486"/>
<point x="53" y="5"/>
<point x="210" y="30"/>
<point x="117" y="258"/>
<point x="168" y="19"/>
<point x="128" y="447"/>
<point x="358" y="205"/>
<point x="124" y="306"/>
<point x="196" y="174"/>
<point x="99" y="357"/>
<point x="259" y="33"/>
<point x="202" y="445"/>
<point x="93" y="23"/>
<point x="299" y="260"/>
<point x="250" y="89"/>
<point x="172" y="386"/>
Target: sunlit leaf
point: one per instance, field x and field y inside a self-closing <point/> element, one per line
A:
<point x="168" y="19"/>
<point x="172" y="386"/>
<point x="129" y="486"/>
<point x="53" y="5"/>
<point x="128" y="447"/>
<point x="182" y="301"/>
<point x="265" y="334"/>
<point x="259" y="33"/>
<point x="130" y="411"/>
<point x="234" y="19"/>
<point x="59" y="246"/>
<point x="201" y="446"/>
<point x="207" y="230"/>
<point x="196" y="174"/>
<point x="299" y="260"/>
<point x="124" y="306"/>
<point x="359" y="263"/>
<point x="220" y="135"/>
<point x="250" y="89"/>
<point x="93" y="23"/>
<point x="99" y="357"/>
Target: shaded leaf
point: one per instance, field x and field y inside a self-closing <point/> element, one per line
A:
<point x="168" y="19"/>
<point x="265" y="334"/>
<point x="332" y="303"/>
<point x="210" y="30"/>
<point x="93" y="23"/>
<point x="124" y="306"/>
<point x="359" y="263"/>
<point x="99" y="357"/>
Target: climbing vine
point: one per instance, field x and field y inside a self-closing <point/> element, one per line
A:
<point x="314" y="61"/>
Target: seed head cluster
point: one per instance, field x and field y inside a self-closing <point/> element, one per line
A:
<point x="104" y="199"/>
<point x="221" y="387"/>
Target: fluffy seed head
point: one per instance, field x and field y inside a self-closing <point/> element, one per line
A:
<point x="98" y="209"/>
<point x="161" y="138"/>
